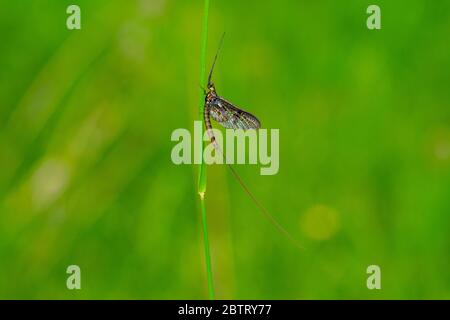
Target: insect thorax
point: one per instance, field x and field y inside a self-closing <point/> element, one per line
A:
<point x="211" y="95"/>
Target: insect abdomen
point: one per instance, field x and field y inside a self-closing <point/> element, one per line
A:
<point x="208" y="122"/>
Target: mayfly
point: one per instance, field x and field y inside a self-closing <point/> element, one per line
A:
<point x="232" y="117"/>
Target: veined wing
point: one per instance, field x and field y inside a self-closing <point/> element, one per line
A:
<point x="230" y="116"/>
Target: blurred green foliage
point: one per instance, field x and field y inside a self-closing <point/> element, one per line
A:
<point x="86" y="176"/>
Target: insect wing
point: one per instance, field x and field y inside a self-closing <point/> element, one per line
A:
<point x="230" y="116"/>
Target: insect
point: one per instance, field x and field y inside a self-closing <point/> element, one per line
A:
<point x="223" y="111"/>
<point x="231" y="117"/>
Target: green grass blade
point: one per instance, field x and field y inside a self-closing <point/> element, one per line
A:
<point x="202" y="168"/>
<point x="206" y="248"/>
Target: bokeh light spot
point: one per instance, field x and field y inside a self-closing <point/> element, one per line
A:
<point x="319" y="222"/>
<point x="49" y="181"/>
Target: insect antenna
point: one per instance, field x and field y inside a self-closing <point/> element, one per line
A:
<point x="215" y="58"/>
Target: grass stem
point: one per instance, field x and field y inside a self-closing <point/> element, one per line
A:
<point x="202" y="166"/>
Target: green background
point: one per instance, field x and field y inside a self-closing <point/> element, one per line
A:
<point x="86" y="176"/>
